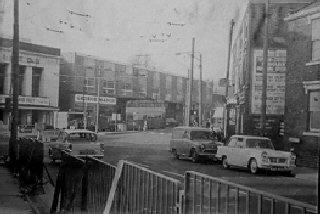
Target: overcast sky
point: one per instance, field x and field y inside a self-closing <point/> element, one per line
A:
<point x="119" y="29"/>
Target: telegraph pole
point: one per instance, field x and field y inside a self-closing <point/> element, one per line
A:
<point x="226" y="130"/>
<point x="15" y="81"/>
<point x="190" y="83"/>
<point x="98" y="103"/>
<point x="200" y="92"/>
<point x="264" y="73"/>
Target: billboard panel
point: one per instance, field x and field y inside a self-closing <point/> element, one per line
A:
<point x="275" y="83"/>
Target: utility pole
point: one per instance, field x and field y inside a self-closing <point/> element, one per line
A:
<point x="15" y="75"/>
<point x="84" y="104"/>
<point x="98" y="103"/>
<point x="200" y="92"/>
<point x="190" y="83"/>
<point x="226" y="129"/>
<point x="264" y="73"/>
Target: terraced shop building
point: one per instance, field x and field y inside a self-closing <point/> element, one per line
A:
<point x="38" y="82"/>
<point x="302" y="111"/>
<point x="247" y="66"/>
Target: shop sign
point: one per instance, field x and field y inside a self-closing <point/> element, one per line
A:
<point x="85" y="98"/>
<point x="38" y="101"/>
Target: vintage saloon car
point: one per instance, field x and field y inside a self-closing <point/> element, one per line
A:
<point x="193" y="143"/>
<point x="77" y="142"/>
<point x="255" y="153"/>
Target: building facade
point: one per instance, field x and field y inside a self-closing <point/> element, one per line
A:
<point x="302" y="111"/>
<point x="247" y="66"/>
<point x="38" y="82"/>
<point x="82" y="76"/>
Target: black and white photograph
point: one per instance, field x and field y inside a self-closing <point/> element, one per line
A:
<point x="159" y="106"/>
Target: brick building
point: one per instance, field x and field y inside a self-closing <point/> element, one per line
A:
<point x="247" y="66"/>
<point x="302" y="111"/>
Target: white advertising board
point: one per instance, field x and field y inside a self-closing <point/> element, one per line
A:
<point x="94" y="99"/>
<point x="275" y="83"/>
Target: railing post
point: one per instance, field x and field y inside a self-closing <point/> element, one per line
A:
<point x="186" y="192"/>
<point x="84" y="192"/>
<point x="115" y="182"/>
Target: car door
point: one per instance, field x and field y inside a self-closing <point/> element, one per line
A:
<point x="185" y="143"/>
<point x="230" y="151"/>
<point x="240" y="152"/>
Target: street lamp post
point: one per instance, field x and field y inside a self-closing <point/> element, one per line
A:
<point x="191" y="85"/>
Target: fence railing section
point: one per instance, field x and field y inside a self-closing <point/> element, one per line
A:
<point x="83" y="185"/>
<point x="99" y="176"/>
<point x="69" y="193"/>
<point x="205" y="194"/>
<point x="30" y="163"/>
<point x="136" y="189"/>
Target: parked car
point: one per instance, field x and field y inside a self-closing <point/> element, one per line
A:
<point x="193" y="143"/>
<point x="77" y="142"/>
<point x="255" y="153"/>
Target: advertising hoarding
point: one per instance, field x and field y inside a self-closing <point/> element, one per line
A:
<point x="275" y="82"/>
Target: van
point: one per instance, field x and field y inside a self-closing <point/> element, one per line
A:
<point x="194" y="143"/>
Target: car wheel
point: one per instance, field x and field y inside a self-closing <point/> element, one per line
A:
<point x="195" y="157"/>
<point x="253" y="166"/>
<point x="225" y="162"/>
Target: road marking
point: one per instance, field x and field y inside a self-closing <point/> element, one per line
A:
<point x="173" y="173"/>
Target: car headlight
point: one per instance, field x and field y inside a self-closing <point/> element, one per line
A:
<point x="264" y="156"/>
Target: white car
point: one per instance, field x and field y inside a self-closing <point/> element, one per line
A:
<point x="255" y="153"/>
<point x="77" y="142"/>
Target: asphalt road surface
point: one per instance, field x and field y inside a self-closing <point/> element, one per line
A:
<point x="151" y="149"/>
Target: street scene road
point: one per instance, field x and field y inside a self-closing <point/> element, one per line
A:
<point x="151" y="149"/>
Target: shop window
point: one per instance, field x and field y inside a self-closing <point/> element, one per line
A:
<point x="316" y="39"/>
<point x="314" y="111"/>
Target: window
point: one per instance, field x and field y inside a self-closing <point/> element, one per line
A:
<point x="232" y="142"/>
<point x="314" y="111"/>
<point x="89" y="84"/>
<point x="22" y="70"/>
<point x="2" y="77"/>
<point x="36" y="81"/>
<point x="315" y="39"/>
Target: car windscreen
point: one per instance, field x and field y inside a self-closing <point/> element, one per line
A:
<point x="201" y="135"/>
<point x="79" y="137"/>
<point x="256" y="143"/>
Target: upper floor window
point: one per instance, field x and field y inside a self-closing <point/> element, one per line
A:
<point x="315" y="39"/>
<point x="22" y="85"/>
<point x="2" y="77"/>
<point x="36" y="81"/>
<point x="89" y="84"/>
<point x="314" y="111"/>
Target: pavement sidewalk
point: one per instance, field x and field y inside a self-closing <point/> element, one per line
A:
<point x="11" y="200"/>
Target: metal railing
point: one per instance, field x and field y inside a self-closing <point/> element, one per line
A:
<point x="136" y="189"/>
<point x="69" y="194"/>
<point x="99" y="176"/>
<point x="205" y="194"/>
<point x="83" y="185"/>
